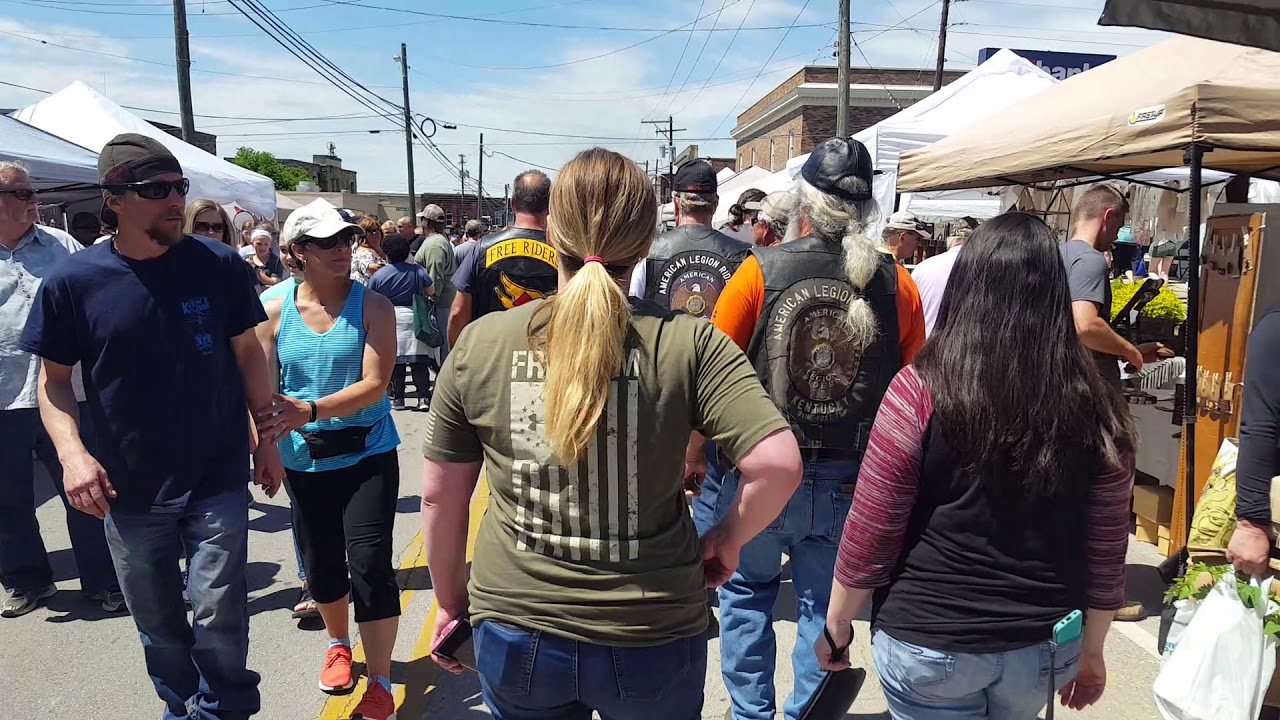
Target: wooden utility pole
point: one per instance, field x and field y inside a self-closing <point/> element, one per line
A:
<point x="182" y="49"/>
<point x="480" y="183"/>
<point x="842" y="72"/>
<point x="462" y="189"/>
<point x="942" y="45"/>
<point x="408" y="127"/>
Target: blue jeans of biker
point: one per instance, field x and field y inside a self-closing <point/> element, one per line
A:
<point x="808" y="531"/>
<point x="532" y="675"/>
<point x="925" y="684"/>
<point x="24" y="563"/>
<point x="198" y="669"/>
<point x="708" y="508"/>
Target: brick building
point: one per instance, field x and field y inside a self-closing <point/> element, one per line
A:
<point x="327" y="173"/>
<point x="801" y="112"/>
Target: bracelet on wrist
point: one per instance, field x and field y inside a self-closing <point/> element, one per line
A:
<point x="314" y="411"/>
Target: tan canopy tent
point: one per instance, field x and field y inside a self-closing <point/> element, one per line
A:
<point x="1188" y="101"/>
<point x="1139" y="112"/>
<point x="1248" y="22"/>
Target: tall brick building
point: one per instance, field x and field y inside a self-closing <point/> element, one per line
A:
<point x="801" y="112"/>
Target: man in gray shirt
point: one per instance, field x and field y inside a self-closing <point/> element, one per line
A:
<point x="1096" y="220"/>
<point x="437" y="258"/>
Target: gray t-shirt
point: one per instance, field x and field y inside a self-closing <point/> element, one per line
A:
<point x="1089" y="279"/>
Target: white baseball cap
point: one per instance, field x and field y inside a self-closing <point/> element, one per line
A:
<point x="317" y="219"/>
<point x="904" y="220"/>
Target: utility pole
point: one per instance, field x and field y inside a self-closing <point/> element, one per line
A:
<point x="408" y="126"/>
<point x="506" y="204"/>
<point x="462" y="193"/>
<point x="842" y="72"/>
<point x="182" y="49"/>
<point x="942" y="45"/>
<point x="480" y="183"/>
<point x="670" y="133"/>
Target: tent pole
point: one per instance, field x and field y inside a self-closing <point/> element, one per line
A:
<point x="1191" y="403"/>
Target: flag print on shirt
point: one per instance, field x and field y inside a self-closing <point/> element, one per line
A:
<point x="589" y="509"/>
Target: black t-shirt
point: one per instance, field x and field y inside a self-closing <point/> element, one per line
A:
<point x="163" y="386"/>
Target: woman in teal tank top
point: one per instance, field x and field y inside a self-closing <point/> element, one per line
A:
<point x="334" y="346"/>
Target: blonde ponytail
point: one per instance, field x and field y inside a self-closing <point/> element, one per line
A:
<point x="601" y="208"/>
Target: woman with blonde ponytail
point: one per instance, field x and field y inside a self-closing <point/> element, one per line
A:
<point x="586" y="589"/>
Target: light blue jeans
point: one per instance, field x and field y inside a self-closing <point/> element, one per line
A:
<point x="808" y="530"/>
<point x="198" y="668"/>
<point x="924" y="684"/>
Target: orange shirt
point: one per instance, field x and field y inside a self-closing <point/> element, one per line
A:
<point x="739" y="307"/>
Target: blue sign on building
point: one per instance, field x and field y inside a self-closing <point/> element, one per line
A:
<point x="1058" y="64"/>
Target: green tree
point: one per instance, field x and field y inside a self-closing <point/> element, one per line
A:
<point x="266" y="164"/>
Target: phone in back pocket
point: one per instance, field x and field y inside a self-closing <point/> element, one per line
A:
<point x="1069" y="629"/>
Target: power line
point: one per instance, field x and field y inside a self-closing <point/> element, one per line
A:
<point x="525" y="162"/>
<point x="586" y="59"/>
<point x="676" y="70"/>
<point x="61" y="7"/>
<point x="157" y="63"/>
<point x="757" y="77"/>
<point x="725" y="54"/>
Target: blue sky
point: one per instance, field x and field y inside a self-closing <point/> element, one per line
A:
<point x="529" y="84"/>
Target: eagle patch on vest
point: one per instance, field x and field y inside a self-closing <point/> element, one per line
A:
<point x="807" y="335"/>
<point x="512" y="294"/>
<point x="692" y="281"/>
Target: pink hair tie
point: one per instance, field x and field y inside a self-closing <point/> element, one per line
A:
<point x="593" y="258"/>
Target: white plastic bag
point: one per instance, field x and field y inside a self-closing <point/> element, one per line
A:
<point x="1184" y="610"/>
<point x="1223" y="661"/>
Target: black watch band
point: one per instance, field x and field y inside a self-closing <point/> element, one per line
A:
<point x="314" y="412"/>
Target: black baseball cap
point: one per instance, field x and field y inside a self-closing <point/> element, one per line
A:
<point x="840" y="167"/>
<point x="696" y="177"/>
<point x="133" y="158"/>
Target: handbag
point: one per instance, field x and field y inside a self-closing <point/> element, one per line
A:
<point x="425" y="327"/>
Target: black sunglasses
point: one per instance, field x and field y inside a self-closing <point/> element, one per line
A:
<point x="23" y="194"/>
<point x="346" y="237"/>
<point x="203" y="227"/>
<point x="157" y="189"/>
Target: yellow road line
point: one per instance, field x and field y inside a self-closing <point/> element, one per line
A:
<point x="421" y="669"/>
<point x="417" y="681"/>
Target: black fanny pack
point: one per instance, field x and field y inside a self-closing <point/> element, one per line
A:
<point x="324" y="444"/>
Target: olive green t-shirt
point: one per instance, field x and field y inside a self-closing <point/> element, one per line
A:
<point x="604" y="550"/>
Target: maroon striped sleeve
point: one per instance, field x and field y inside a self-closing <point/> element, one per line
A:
<point x="1109" y="536"/>
<point x="887" y="485"/>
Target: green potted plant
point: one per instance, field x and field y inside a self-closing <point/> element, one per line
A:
<point x="1159" y="321"/>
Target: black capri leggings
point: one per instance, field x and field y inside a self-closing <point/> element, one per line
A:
<point x="344" y="520"/>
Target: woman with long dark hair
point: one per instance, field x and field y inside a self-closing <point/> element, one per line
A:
<point x="993" y="499"/>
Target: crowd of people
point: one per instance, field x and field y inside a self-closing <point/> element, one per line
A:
<point x="660" y="418"/>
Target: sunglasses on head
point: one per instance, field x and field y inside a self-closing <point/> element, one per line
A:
<point x="204" y="227"/>
<point x="157" y="189"/>
<point x="344" y="238"/>
<point x="23" y="194"/>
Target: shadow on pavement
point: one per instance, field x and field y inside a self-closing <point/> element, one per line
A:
<point x="274" y="518"/>
<point x="282" y="599"/>
<point x="261" y="575"/>
<point x="432" y="692"/>
<point x="415" y="578"/>
<point x="1142" y="583"/>
<point x="409" y="505"/>
<point x="72" y="605"/>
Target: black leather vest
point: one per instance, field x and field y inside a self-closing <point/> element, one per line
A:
<point x="512" y="267"/>
<point x="800" y="349"/>
<point x="688" y="267"/>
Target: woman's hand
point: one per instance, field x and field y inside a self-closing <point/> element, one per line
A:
<point x="1090" y="681"/>
<point x="842" y="633"/>
<point x="282" y="416"/>
<point x="445" y="616"/>
<point x="719" y="556"/>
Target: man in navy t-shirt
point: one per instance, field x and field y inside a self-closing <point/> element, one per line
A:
<point x="162" y="324"/>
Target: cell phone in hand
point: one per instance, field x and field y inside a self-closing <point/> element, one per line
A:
<point x="456" y="643"/>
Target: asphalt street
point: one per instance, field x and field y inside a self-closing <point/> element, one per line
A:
<point x="69" y="659"/>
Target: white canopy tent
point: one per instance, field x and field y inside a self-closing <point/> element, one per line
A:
<point x="53" y="162"/>
<point x="80" y="115"/>
<point x="1001" y="81"/>
<point x="730" y="189"/>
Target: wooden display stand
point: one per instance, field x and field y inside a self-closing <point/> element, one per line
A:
<point x="1239" y="283"/>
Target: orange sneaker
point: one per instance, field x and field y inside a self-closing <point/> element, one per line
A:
<point x="377" y="704"/>
<point x="335" y="677"/>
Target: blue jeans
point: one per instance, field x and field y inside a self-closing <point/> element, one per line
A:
<point x="24" y="563"/>
<point x="808" y="530"/>
<point x="199" y="672"/>
<point x="532" y="675"/>
<point x="442" y="320"/>
<point x="708" y="509"/>
<point x="924" y="684"/>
